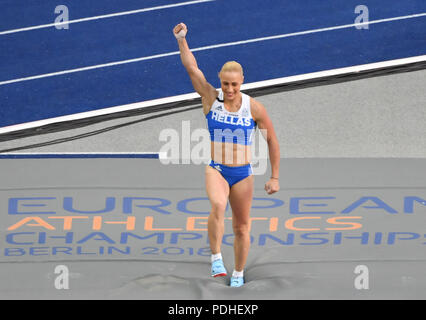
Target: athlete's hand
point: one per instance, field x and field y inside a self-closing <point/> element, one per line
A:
<point x="180" y="31"/>
<point x="272" y="186"/>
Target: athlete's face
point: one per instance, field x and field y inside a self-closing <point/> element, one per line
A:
<point x="231" y="82"/>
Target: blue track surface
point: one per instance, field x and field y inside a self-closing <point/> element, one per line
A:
<point x="47" y="50"/>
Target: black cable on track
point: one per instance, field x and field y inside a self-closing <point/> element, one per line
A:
<point x="74" y="124"/>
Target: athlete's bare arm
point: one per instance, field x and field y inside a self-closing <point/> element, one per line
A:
<point x="207" y="92"/>
<point x="264" y="123"/>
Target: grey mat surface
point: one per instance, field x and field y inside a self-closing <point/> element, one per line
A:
<point x="330" y="217"/>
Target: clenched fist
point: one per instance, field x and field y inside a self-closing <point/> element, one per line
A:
<point x="272" y="186"/>
<point x="180" y="31"/>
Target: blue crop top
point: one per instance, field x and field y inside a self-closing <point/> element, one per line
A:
<point x="233" y="127"/>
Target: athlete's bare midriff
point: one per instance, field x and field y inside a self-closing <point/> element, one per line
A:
<point x="230" y="154"/>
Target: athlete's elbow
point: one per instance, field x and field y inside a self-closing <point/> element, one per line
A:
<point x="269" y="135"/>
<point x="192" y="70"/>
<point x="272" y="141"/>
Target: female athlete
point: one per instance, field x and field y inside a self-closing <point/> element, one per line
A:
<point x="232" y="117"/>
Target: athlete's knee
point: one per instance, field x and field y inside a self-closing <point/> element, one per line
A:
<point x="241" y="229"/>
<point x="218" y="207"/>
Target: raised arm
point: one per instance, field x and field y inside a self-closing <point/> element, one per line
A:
<point x="199" y="82"/>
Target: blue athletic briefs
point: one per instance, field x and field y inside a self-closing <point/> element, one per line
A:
<point x="232" y="174"/>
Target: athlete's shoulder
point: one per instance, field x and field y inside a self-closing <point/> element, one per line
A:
<point x="208" y="101"/>
<point x="257" y="109"/>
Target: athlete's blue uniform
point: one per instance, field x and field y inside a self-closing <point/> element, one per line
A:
<point x="233" y="127"/>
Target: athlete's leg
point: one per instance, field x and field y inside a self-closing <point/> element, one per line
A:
<point x="217" y="191"/>
<point x="240" y="199"/>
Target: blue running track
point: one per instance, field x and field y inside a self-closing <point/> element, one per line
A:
<point x="47" y="50"/>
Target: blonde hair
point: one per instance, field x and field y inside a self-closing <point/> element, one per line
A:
<point x="232" y="66"/>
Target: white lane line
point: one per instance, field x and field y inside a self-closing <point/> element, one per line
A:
<point x="98" y="66"/>
<point x="194" y="95"/>
<point x="104" y="16"/>
<point x="70" y="155"/>
<point x="280" y="36"/>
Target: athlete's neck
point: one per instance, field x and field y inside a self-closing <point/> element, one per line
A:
<point x="234" y="103"/>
